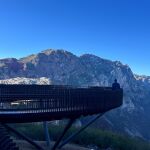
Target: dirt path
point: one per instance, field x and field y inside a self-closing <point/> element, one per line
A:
<point x="23" y="145"/>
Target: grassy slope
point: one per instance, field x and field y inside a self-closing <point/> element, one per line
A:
<point x="103" y="139"/>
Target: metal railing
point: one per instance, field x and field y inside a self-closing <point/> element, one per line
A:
<point x="27" y="99"/>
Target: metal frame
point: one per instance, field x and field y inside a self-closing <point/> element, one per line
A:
<point x="71" y="121"/>
<point x="60" y="142"/>
<point x="23" y="136"/>
<point x="67" y="140"/>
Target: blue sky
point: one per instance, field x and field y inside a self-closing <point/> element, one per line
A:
<point x="112" y="29"/>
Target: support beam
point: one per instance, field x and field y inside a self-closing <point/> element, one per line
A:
<point x="79" y="131"/>
<point x="47" y="137"/>
<point x="23" y="136"/>
<point x="63" y="134"/>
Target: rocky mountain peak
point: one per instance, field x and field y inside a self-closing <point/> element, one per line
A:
<point x="64" y="67"/>
<point x="57" y="52"/>
<point x="93" y="57"/>
<point x="8" y="60"/>
<point x="143" y="79"/>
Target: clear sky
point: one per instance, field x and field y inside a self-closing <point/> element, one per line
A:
<point x="112" y="29"/>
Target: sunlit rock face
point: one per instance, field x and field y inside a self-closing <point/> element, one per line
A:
<point x="22" y="80"/>
<point x="62" y="67"/>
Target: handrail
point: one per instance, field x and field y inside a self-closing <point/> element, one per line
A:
<point x="59" y="102"/>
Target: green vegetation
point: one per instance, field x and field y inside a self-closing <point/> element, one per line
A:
<point x="102" y="139"/>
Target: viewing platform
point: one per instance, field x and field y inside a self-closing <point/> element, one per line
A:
<point x="33" y="103"/>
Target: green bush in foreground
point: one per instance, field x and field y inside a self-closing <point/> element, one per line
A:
<point x="102" y="139"/>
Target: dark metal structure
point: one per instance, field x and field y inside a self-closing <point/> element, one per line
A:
<point x="6" y="143"/>
<point x="22" y="103"/>
<point x="33" y="103"/>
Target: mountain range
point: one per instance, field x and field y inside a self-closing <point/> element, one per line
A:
<point x="62" y="67"/>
